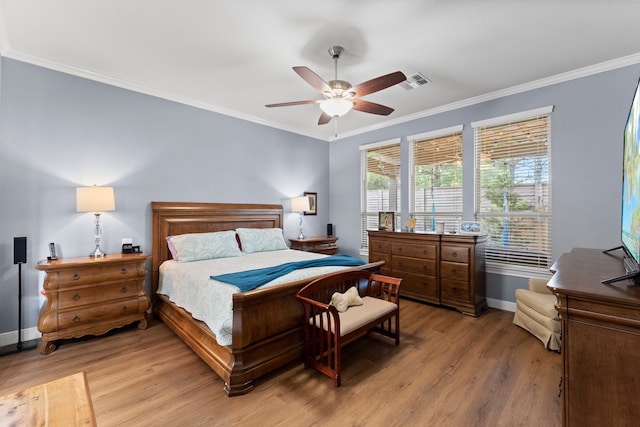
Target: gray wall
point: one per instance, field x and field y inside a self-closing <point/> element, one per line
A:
<point x="586" y="163"/>
<point x="58" y="132"/>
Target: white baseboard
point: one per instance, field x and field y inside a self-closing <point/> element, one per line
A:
<point x="502" y="305"/>
<point x="8" y="338"/>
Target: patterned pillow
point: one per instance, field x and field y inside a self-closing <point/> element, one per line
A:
<point x="261" y="239"/>
<point x="199" y="246"/>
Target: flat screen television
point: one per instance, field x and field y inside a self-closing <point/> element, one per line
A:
<point x="630" y="223"/>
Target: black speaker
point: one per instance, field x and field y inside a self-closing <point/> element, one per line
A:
<point x="330" y="230"/>
<point x="19" y="250"/>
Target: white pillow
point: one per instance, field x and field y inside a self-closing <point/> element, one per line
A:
<point x="343" y="301"/>
<point x="199" y="246"/>
<point x="261" y="239"/>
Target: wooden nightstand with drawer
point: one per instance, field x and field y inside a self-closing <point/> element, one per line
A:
<point x="89" y="296"/>
<point x="320" y="244"/>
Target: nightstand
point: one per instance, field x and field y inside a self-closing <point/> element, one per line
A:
<point x="89" y="296"/>
<point x="320" y="244"/>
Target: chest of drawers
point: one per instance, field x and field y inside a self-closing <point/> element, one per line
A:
<point x="87" y="296"/>
<point x="436" y="268"/>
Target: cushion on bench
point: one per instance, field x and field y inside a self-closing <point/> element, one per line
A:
<point x="357" y="316"/>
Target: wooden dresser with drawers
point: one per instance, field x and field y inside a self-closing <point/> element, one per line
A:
<point x="90" y="296"/>
<point x="443" y="269"/>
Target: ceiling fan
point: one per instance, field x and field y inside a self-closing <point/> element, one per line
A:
<point x="340" y="96"/>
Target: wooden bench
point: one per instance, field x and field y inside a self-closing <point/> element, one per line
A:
<point x="326" y="329"/>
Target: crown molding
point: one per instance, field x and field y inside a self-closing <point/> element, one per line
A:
<point x="6" y="51"/>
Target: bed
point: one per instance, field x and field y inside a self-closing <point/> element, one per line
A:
<point x="266" y="323"/>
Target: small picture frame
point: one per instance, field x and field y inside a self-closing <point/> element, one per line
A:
<point x="470" y="227"/>
<point x="313" y="203"/>
<point x="386" y="221"/>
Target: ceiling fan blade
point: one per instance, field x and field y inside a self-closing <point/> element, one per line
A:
<point x="313" y="79"/>
<point x="371" y="107"/>
<point x="324" y="118"/>
<point x="288" y="104"/>
<point x="379" y="83"/>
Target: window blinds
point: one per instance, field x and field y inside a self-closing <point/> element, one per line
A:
<point x="380" y="184"/>
<point x="513" y="189"/>
<point x="436" y="178"/>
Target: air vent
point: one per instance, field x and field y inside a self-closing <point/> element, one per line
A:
<point x="414" y="81"/>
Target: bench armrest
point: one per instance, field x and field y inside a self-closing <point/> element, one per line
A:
<point x="384" y="287"/>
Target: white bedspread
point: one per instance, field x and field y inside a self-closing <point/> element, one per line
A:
<point x="188" y="284"/>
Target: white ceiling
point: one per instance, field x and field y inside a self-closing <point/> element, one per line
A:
<point x="234" y="57"/>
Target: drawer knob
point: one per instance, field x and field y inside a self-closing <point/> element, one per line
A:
<point x="454" y="271"/>
<point x="123" y="271"/>
<point x="123" y="289"/>
<point x="76" y="276"/>
<point x="76" y="319"/>
<point x="124" y="308"/>
<point x="454" y="254"/>
<point x="76" y="297"/>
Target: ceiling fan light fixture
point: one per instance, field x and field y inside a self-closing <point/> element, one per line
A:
<point x="336" y="107"/>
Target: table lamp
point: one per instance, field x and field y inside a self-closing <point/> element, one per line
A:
<point x="300" y="205"/>
<point x="97" y="200"/>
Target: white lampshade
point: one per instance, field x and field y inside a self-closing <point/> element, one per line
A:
<point x="336" y="107"/>
<point x="95" y="199"/>
<point x="300" y="204"/>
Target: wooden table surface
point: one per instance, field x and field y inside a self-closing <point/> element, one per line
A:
<point x="62" y="402"/>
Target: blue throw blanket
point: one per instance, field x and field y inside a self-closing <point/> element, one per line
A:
<point x="251" y="279"/>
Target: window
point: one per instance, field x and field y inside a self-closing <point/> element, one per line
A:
<point x="513" y="187"/>
<point x="436" y="178"/>
<point x="380" y="164"/>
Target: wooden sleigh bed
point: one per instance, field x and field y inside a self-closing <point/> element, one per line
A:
<point x="267" y="323"/>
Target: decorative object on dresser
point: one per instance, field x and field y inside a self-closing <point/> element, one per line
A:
<point x="386" y="221"/>
<point x="441" y="269"/>
<point x="300" y="205"/>
<point x="600" y="339"/>
<point x="470" y="227"/>
<point x="266" y="327"/>
<point x="90" y="296"/>
<point x="97" y="200"/>
<point x="319" y="244"/>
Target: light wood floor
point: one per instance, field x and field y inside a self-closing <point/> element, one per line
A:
<point x="449" y="370"/>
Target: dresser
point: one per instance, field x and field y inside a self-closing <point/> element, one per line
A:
<point x="89" y="296"/>
<point x="600" y="339"/>
<point x="443" y="269"/>
<point x="319" y="244"/>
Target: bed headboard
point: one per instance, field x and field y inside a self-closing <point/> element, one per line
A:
<point x="172" y="218"/>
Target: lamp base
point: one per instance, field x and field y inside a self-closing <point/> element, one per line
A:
<point x="301" y="236"/>
<point x="97" y="253"/>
